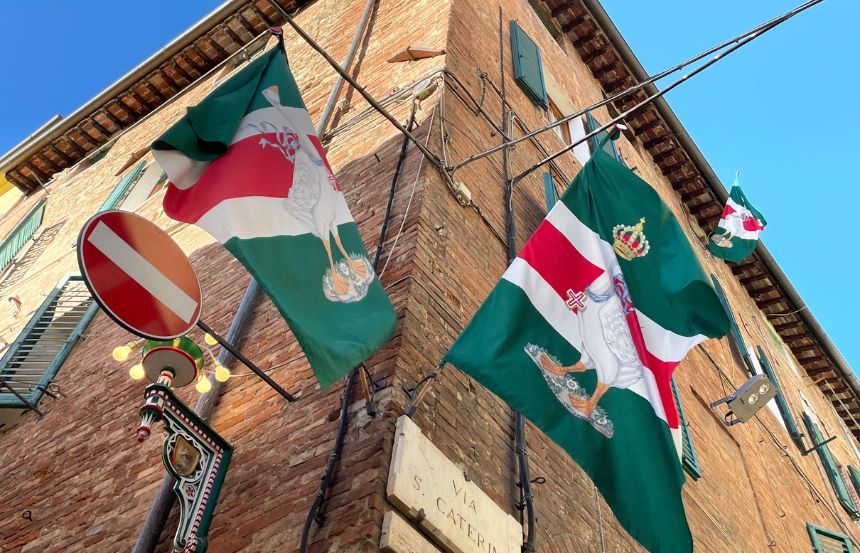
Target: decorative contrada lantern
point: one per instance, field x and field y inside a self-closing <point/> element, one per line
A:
<point x="194" y="454"/>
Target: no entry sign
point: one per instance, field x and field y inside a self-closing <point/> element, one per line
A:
<point x="138" y="275"/>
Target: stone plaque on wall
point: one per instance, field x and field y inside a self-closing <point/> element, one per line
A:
<point x="398" y="536"/>
<point x="432" y="491"/>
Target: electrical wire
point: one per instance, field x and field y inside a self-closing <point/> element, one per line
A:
<point x="409" y="201"/>
<point x="737" y="41"/>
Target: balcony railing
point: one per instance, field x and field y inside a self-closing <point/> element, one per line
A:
<point x="22" y="232"/>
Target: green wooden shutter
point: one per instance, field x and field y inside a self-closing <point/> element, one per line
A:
<point x="734" y="330"/>
<point x="831" y="468"/>
<point x="591" y="125"/>
<point x="122" y="189"/>
<point x="23" y="231"/>
<point x="528" y="67"/>
<point x="828" y="541"/>
<point x="855" y="478"/>
<point x="550" y="195"/>
<point x="781" y="404"/>
<point x="689" y="460"/>
<point x="31" y="362"/>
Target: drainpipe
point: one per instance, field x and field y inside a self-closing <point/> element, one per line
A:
<point x="608" y="27"/>
<point x="328" y="110"/>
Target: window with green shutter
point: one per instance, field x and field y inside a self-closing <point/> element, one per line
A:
<point x="734" y="330"/>
<point x="122" y="189"/>
<point x="828" y="541"/>
<point x="591" y="125"/>
<point x="781" y="403"/>
<point x="688" y="452"/>
<point x="550" y="194"/>
<point x="528" y="66"/>
<point x="23" y="231"/>
<point x="830" y="467"/>
<point x="31" y="362"/>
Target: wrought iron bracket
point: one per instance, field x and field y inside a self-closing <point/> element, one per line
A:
<point x="197" y="458"/>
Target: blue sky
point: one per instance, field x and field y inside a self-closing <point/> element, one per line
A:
<point x="59" y="54"/>
<point x="782" y="110"/>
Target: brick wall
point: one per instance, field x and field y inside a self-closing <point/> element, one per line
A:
<point x="88" y="485"/>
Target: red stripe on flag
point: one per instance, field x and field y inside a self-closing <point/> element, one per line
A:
<point x="558" y="261"/>
<point x="663" y="376"/>
<point x="246" y="169"/>
<point x="727" y="210"/>
<point x="662" y="370"/>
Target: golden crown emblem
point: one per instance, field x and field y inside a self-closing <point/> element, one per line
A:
<point x="630" y="242"/>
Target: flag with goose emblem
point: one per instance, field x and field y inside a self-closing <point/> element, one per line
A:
<point x="582" y="335"/>
<point x="245" y="165"/>
<point x="736" y="235"/>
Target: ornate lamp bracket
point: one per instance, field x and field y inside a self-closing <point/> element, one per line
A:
<point x="194" y="454"/>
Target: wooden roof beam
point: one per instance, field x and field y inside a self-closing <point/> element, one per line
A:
<point x="42" y="156"/>
<point x="263" y="17"/>
<point x="61" y="154"/>
<point x="784" y="326"/>
<point x="114" y="119"/>
<point x="246" y="24"/>
<point x="770" y="303"/>
<point x="754" y="278"/>
<point x="99" y="127"/>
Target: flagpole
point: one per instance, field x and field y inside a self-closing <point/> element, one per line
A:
<point x="752" y="33"/>
<point x="661" y="93"/>
<point x="245" y="361"/>
<point x="358" y="88"/>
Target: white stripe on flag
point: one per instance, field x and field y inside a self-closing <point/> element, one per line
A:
<point x="559" y="316"/>
<point x="143" y="272"/>
<point x="264" y="217"/>
<point x="545" y="300"/>
<point x="665" y="344"/>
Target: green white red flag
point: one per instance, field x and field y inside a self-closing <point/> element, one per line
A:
<point x="582" y="334"/>
<point x="246" y="166"/>
<point x="737" y="232"/>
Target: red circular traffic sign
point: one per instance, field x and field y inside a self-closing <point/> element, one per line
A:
<point x="139" y="275"/>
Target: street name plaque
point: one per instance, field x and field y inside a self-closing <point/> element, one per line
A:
<point x="398" y="536"/>
<point x="433" y="492"/>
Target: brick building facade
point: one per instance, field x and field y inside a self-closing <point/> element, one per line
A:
<point x="76" y="480"/>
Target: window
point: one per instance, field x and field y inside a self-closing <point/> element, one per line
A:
<point x="553" y="114"/>
<point x="31" y="362"/>
<point x="121" y="190"/>
<point x="734" y="331"/>
<point x="528" y="67"/>
<point x="781" y="404"/>
<point x="545" y="17"/>
<point x="689" y="460"/>
<point x="591" y="125"/>
<point x="831" y="468"/>
<point x="569" y="132"/>
<point x="828" y="541"/>
<point x="23" y="231"/>
<point x="549" y="191"/>
<point x="151" y="177"/>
